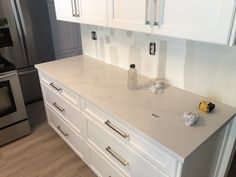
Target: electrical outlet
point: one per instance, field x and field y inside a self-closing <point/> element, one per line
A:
<point x="94" y="35"/>
<point x="152" y="48"/>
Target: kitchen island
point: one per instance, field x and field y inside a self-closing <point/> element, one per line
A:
<point x="163" y="145"/>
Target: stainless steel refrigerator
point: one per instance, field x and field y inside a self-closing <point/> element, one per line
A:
<point x="28" y="21"/>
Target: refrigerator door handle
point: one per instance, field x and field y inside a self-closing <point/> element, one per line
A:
<point x="20" y="27"/>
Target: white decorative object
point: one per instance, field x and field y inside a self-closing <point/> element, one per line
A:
<point x="190" y="118"/>
<point x="158" y="87"/>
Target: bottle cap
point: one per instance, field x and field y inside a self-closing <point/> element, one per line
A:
<point x="132" y="66"/>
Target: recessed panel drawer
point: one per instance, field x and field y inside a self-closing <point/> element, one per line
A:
<point x="120" y="154"/>
<point x="106" y="121"/>
<point x="152" y="153"/>
<point x="60" y="105"/>
<point x="61" y="90"/>
<point x="101" y="166"/>
<point x="74" y="140"/>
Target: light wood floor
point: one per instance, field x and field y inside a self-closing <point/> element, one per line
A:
<point x="41" y="154"/>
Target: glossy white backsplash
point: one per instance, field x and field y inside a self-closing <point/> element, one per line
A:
<point x="205" y="69"/>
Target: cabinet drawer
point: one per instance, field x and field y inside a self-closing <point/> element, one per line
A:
<point x="107" y="122"/>
<point x="152" y="153"/>
<point x="67" y="111"/>
<point x="120" y="154"/>
<point x="74" y="140"/>
<point x="61" y="90"/>
<point x="101" y="166"/>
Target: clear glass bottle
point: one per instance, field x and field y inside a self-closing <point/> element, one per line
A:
<point x="132" y="78"/>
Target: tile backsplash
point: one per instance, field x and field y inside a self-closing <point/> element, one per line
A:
<point x="202" y="68"/>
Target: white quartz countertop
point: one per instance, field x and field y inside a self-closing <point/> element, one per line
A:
<point x="105" y="86"/>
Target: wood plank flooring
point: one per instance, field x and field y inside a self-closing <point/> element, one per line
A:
<point x="41" y="154"/>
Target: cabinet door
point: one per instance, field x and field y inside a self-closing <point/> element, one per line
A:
<point x="202" y="20"/>
<point x="65" y="10"/>
<point x="92" y="12"/>
<point x="129" y="14"/>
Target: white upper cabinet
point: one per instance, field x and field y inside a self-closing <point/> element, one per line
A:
<point x="93" y="12"/>
<point x="64" y="10"/>
<point x="129" y="14"/>
<point x="201" y="20"/>
<point x="82" y="11"/>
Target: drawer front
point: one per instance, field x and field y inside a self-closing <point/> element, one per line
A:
<point x="120" y="154"/>
<point x="106" y="122"/>
<point x="156" y="156"/>
<point x="70" y="113"/>
<point x="58" y="88"/>
<point x="74" y="140"/>
<point x="101" y="166"/>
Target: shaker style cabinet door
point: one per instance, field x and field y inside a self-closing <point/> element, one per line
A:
<point x="66" y="10"/>
<point x="131" y="15"/>
<point x="82" y="11"/>
<point x="92" y="12"/>
<point x="201" y="20"/>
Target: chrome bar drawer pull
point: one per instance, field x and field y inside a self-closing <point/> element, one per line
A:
<point x="59" y="128"/>
<point x="56" y="88"/>
<point x="116" y="129"/>
<point x="117" y="156"/>
<point x="58" y="107"/>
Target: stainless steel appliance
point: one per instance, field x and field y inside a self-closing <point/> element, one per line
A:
<point x="29" y="25"/>
<point x="13" y="118"/>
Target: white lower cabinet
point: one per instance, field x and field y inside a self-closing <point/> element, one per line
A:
<point x="70" y="114"/>
<point x="101" y="166"/>
<point x="131" y="139"/>
<point x="109" y="148"/>
<point x="61" y="91"/>
<point x="73" y="139"/>
<point x="112" y="148"/>
<point x="119" y="154"/>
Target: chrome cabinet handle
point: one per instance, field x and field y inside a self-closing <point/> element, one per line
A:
<point x="77" y="14"/>
<point x="58" y="107"/>
<point x="117" y="156"/>
<point x="147" y="21"/>
<point x="64" y="133"/>
<point x="158" y="17"/>
<point x="116" y="129"/>
<point x="56" y="88"/>
<point x="73" y="8"/>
